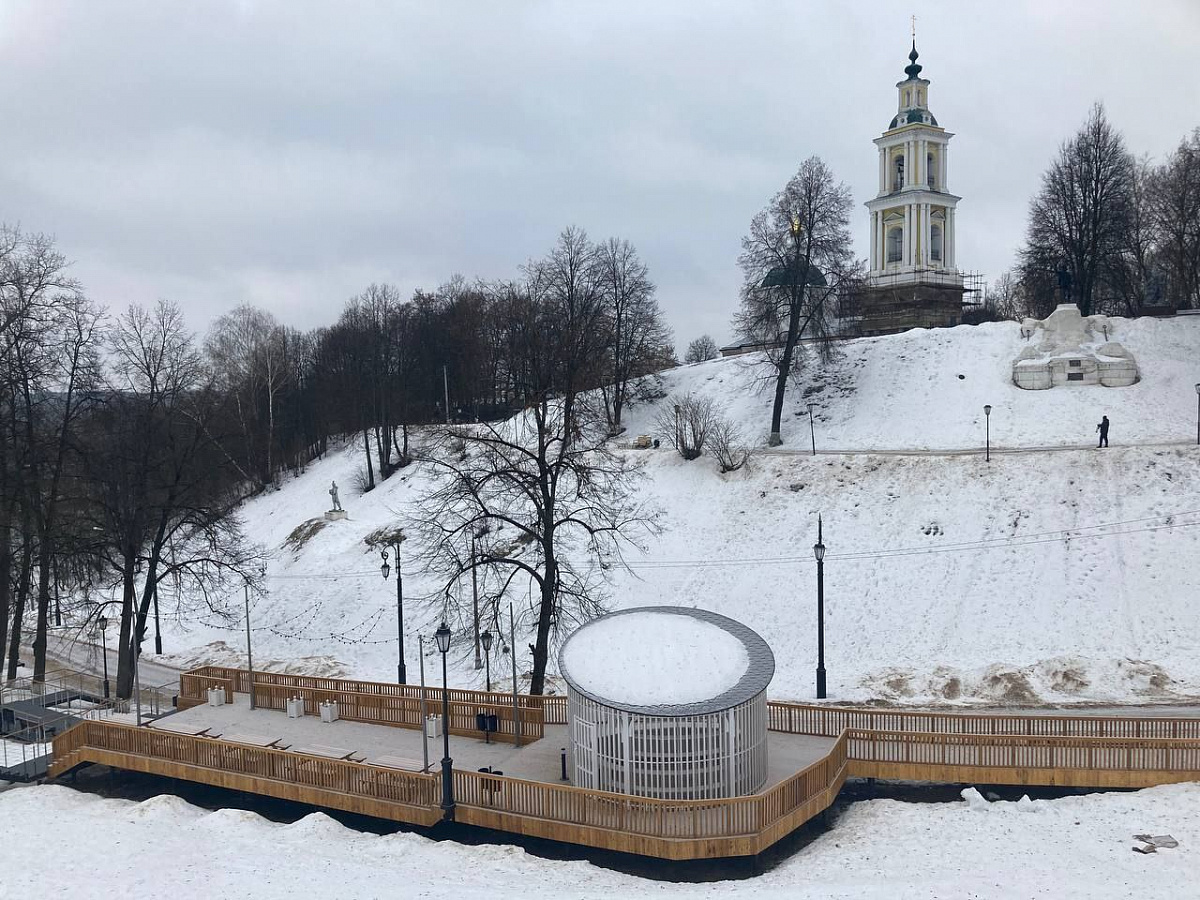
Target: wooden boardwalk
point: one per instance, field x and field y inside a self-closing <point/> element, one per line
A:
<point x="1081" y="751"/>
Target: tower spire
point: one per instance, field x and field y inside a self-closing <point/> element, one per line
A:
<point x="913" y="69"/>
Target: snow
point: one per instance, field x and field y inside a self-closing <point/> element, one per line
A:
<point x="948" y="579"/>
<point x="1069" y="849"/>
<point x="655" y="658"/>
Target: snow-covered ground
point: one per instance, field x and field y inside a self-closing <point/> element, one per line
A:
<point x="1054" y="576"/>
<point x="1076" y="847"/>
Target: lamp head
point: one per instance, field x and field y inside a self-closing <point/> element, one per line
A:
<point x="442" y="635"/>
<point x="987" y="409"/>
<point x="385" y="569"/>
<point x="102" y="622"/>
<point x="819" y="546"/>
<point x="1198" y="388"/>
<point x="486" y="640"/>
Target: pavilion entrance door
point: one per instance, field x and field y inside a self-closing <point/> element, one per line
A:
<point x="585" y="754"/>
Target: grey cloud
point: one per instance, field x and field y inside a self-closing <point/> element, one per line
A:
<point x="287" y="153"/>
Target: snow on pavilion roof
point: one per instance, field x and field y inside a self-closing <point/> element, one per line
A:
<point x="667" y="661"/>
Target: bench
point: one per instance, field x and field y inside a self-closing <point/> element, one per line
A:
<point x="399" y="762"/>
<point x="251" y="740"/>
<point x="326" y="752"/>
<point x="180" y="728"/>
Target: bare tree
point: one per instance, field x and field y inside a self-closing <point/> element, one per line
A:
<point x="164" y="491"/>
<point x="541" y="492"/>
<point x="1079" y="218"/>
<point x="246" y="349"/>
<point x="639" y="341"/>
<point x="1175" y="192"/>
<point x="688" y="420"/>
<point x="795" y="261"/>
<point x="729" y="445"/>
<point x="701" y="349"/>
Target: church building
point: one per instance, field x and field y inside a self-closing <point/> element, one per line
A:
<point x="914" y="281"/>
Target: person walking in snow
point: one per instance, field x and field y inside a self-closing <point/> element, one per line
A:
<point x="1103" y="429"/>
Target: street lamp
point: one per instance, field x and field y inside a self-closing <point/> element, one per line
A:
<point x="987" y="432"/>
<point x="442" y="635"/>
<point x="103" y="623"/>
<point x="819" y="553"/>
<point x="385" y="569"/>
<point x="812" y="429"/>
<point x="486" y="640"/>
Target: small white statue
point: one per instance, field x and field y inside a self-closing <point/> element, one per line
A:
<point x="333" y="492"/>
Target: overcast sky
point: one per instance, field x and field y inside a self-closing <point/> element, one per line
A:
<point x="289" y="153"/>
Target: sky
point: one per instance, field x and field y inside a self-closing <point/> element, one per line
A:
<point x="287" y="153"/>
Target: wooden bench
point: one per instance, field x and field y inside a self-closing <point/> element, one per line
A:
<point x="398" y="762"/>
<point x="326" y="752"/>
<point x="180" y="728"/>
<point x="252" y="740"/>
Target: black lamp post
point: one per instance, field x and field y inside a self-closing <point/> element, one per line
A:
<point x="103" y="623"/>
<point x="987" y="432"/>
<point x="385" y="569"/>
<point x="812" y="429"/>
<point x="486" y="640"/>
<point x="443" y="644"/>
<point x="819" y="553"/>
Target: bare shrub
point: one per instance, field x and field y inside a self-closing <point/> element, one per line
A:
<point x="688" y="420"/>
<point x="729" y="445"/>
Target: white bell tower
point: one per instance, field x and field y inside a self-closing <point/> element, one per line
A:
<point x="913" y="267"/>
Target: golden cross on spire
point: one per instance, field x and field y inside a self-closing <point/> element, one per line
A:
<point x="914" y="27"/>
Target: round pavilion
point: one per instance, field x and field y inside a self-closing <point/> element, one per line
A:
<point x="667" y="701"/>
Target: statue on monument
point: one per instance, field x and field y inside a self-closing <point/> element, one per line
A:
<point x="333" y="493"/>
<point x="1064" y="284"/>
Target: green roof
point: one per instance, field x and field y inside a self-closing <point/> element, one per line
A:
<point x="781" y="276"/>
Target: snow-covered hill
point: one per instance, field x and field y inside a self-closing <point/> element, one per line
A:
<point x="1063" y="575"/>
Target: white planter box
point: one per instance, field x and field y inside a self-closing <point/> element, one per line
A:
<point x="295" y="709"/>
<point x="329" y="712"/>
<point x="216" y="696"/>
<point x="433" y="726"/>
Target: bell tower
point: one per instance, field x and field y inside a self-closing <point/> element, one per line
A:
<point x="913" y="281"/>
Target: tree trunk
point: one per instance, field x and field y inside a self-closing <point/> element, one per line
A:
<point x="14" y="640"/>
<point x="370" y="469"/>
<point x="128" y="637"/>
<point x="43" y="608"/>
<point x="541" y="647"/>
<point x="5" y="587"/>
<point x="785" y="368"/>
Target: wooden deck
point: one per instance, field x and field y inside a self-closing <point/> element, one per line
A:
<point x="1083" y="751"/>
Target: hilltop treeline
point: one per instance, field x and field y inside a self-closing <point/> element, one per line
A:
<point x="127" y="442"/>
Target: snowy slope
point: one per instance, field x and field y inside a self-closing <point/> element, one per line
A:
<point x="948" y="579"/>
<point x="1075" y="847"/>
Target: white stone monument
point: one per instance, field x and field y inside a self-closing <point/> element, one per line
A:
<point x="1069" y="348"/>
<point x="336" y="513"/>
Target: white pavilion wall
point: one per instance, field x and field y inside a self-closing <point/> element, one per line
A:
<point x="714" y="754"/>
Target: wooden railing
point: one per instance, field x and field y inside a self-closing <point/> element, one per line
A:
<point x="240" y="679"/>
<point x="355" y="779"/>
<point x="1021" y="752"/>
<point x="652" y="817"/>
<point x="404" y="712"/>
<point x="831" y="721"/>
<point x="194" y="688"/>
<point x="376" y="702"/>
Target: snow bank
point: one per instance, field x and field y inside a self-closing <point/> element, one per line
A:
<point x="1073" y="848"/>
